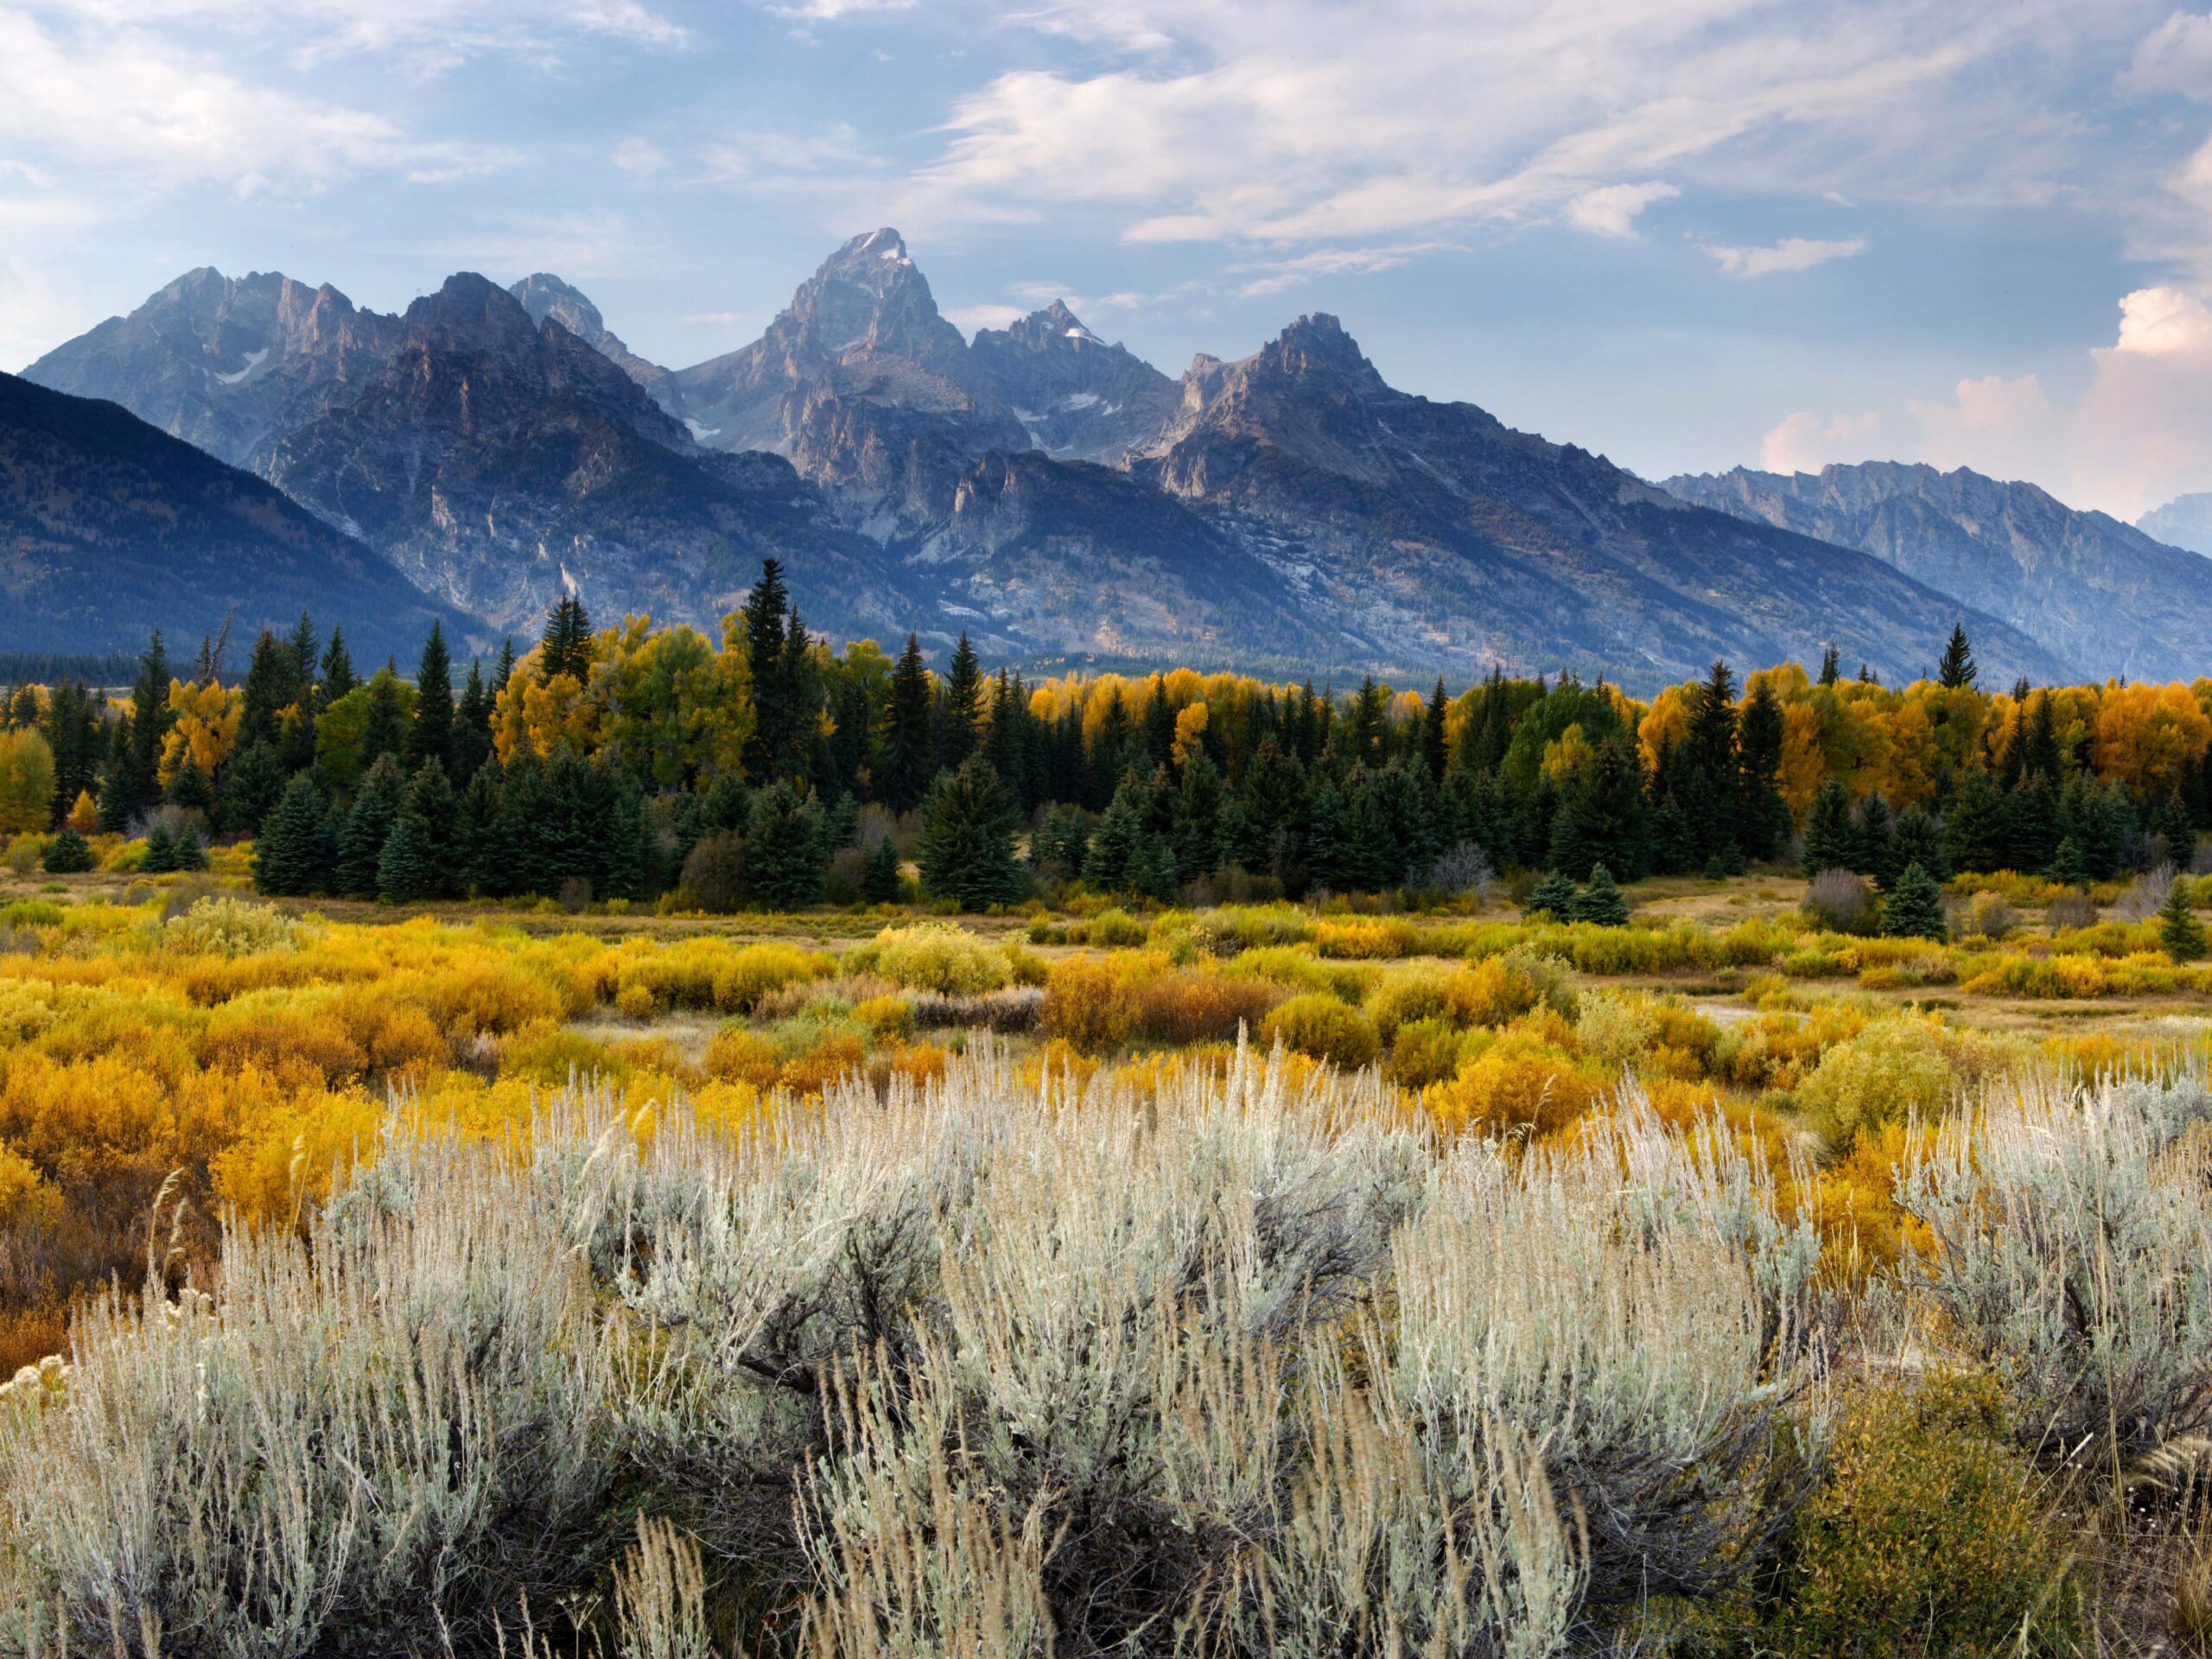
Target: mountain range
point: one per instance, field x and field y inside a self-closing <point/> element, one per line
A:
<point x="110" y="529"/>
<point x="1054" y="495"/>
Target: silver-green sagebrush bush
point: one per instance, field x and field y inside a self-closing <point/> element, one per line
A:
<point x="1246" y="1364"/>
<point x="2074" y="1229"/>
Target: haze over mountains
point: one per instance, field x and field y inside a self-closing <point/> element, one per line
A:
<point x="1052" y="494"/>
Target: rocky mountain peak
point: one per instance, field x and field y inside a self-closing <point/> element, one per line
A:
<point x="543" y="295"/>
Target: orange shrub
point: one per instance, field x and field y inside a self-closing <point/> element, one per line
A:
<point x="1514" y="1085"/>
<point x="1196" y="1008"/>
<point x="1088" y="1005"/>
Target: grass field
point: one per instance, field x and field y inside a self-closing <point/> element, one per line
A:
<point x="189" y="1076"/>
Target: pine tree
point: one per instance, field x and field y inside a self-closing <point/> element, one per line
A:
<point x="360" y="843"/>
<point x="1919" y="840"/>
<point x="431" y="737"/>
<point x="67" y="854"/>
<point x="1062" y="840"/>
<point x="1956" y="670"/>
<point x="190" y="852"/>
<point x="565" y="646"/>
<point x="1830" y="841"/>
<point x="2179" y="931"/>
<point x="966" y="852"/>
<point x="1762" y="816"/>
<point x="909" y="756"/>
<point x="1553" y="897"/>
<point x="1435" y="735"/>
<point x="253" y="783"/>
<point x="963" y="706"/>
<point x="2068" y="867"/>
<point x="883" y="879"/>
<point x="419" y="855"/>
<point x="1119" y="837"/>
<point x="786" y="860"/>
<point x="338" y="676"/>
<point x="472" y="727"/>
<point x="1914" y="909"/>
<point x="763" y="617"/>
<point x="1973" y="827"/>
<point x="1197" y="818"/>
<point x="293" y="854"/>
<point x="1831" y="667"/>
<point x="1600" y="902"/>
<point x="190" y="788"/>
<point x="1877" y="855"/>
<point x="150" y="715"/>
<point x="160" y="850"/>
<point x="383" y="730"/>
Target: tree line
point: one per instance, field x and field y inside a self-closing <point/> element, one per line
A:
<point x="765" y="768"/>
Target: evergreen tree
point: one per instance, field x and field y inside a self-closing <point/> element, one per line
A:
<point x="1831" y="843"/>
<point x="384" y="731"/>
<point x="150" y="716"/>
<point x="360" y="843"/>
<point x="160" y="850"/>
<point x="74" y="734"/>
<point x="1121" y="836"/>
<point x="505" y="671"/>
<point x="786" y="860"/>
<point x="909" y="756"/>
<point x="1831" y="668"/>
<point x="1973" y="828"/>
<point x="1877" y="855"/>
<point x="190" y="851"/>
<point x="1708" y="756"/>
<point x="67" y="854"/>
<point x="191" y="788"/>
<point x="963" y="706"/>
<point x="472" y="727"/>
<point x="1956" y="670"/>
<point x="1195" y="832"/>
<point x="762" y="619"/>
<point x="1914" y="909"/>
<point x="565" y="646"/>
<point x="272" y="683"/>
<point x="431" y="736"/>
<point x="799" y="688"/>
<point x="2068" y="868"/>
<point x="1435" y="735"/>
<point x="338" y="676"/>
<point x="1553" y="897"/>
<point x="2179" y="931"/>
<point x="1600" y="902"/>
<point x="124" y="789"/>
<point x="1762" y="816"/>
<point x="1919" y="840"/>
<point x="1062" y="839"/>
<point x="882" y="880"/>
<point x="419" y="856"/>
<point x="480" y="862"/>
<point x="966" y="852"/>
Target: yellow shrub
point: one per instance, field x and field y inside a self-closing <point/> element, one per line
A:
<point x="1891" y="1069"/>
<point x="1088" y="1007"/>
<point x="737" y="1055"/>
<point x="1323" y="1027"/>
<point x="1417" y="995"/>
<point x="1367" y="939"/>
<point x="937" y="957"/>
<point x="1502" y="988"/>
<point x="1423" y="1052"/>
<point x="886" y="1016"/>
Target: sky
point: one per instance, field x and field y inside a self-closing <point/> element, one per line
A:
<point x="1687" y="234"/>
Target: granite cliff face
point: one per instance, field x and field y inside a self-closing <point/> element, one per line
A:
<point x="2185" y="521"/>
<point x="2100" y="595"/>
<point x="1040" y="488"/>
<point x="110" y="529"/>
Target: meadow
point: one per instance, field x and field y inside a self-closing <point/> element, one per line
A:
<point x="1315" y="1278"/>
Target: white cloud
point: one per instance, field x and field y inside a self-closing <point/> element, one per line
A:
<point x="2132" y="439"/>
<point x="1281" y="274"/>
<point x="830" y="11"/>
<point x="972" y="317"/>
<point x="2175" y="57"/>
<point x="1222" y="121"/>
<point x="572" y="244"/>
<point x="1611" y="209"/>
<point x="1803" y="442"/>
<point x="639" y="158"/>
<point x="1791" y="253"/>
<point x="432" y="34"/>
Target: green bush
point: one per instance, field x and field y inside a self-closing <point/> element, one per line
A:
<point x="935" y="957"/>
<point x="1324" y="1027"/>
<point x="1925" y="1538"/>
<point x="1890" y="1070"/>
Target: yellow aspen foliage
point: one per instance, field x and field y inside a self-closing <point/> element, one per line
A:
<point x="203" y="726"/>
<point x="26" y="780"/>
<point x="2150" y="737"/>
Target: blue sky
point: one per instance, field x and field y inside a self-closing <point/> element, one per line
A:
<point x="1688" y="233"/>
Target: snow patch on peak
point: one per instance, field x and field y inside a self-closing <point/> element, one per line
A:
<point x="700" y="434"/>
<point x="253" y="360"/>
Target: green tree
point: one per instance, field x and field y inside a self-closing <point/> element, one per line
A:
<point x="337" y="676"/>
<point x="430" y="736"/>
<point x="418" y="857"/>
<point x="762" y="619"/>
<point x="67" y="854"/>
<point x="786" y="862"/>
<point x="565" y="646"/>
<point x="293" y="854"/>
<point x="1600" y="902"/>
<point x="909" y="755"/>
<point x="253" y="783"/>
<point x="1956" y="670"/>
<point x="360" y="843"/>
<point x="1973" y="826"/>
<point x="1830" y="841"/>
<point x="882" y="880"/>
<point x="1914" y="909"/>
<point x="2179" y="931"/>
<point x="2068" y="867"/>
<point x="966" y="852"/>
<point x="1877" y="855"/>
<point x="1919" y="840"/>
<point x="1554" y="896"/>
<point x="963" y="705"/>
